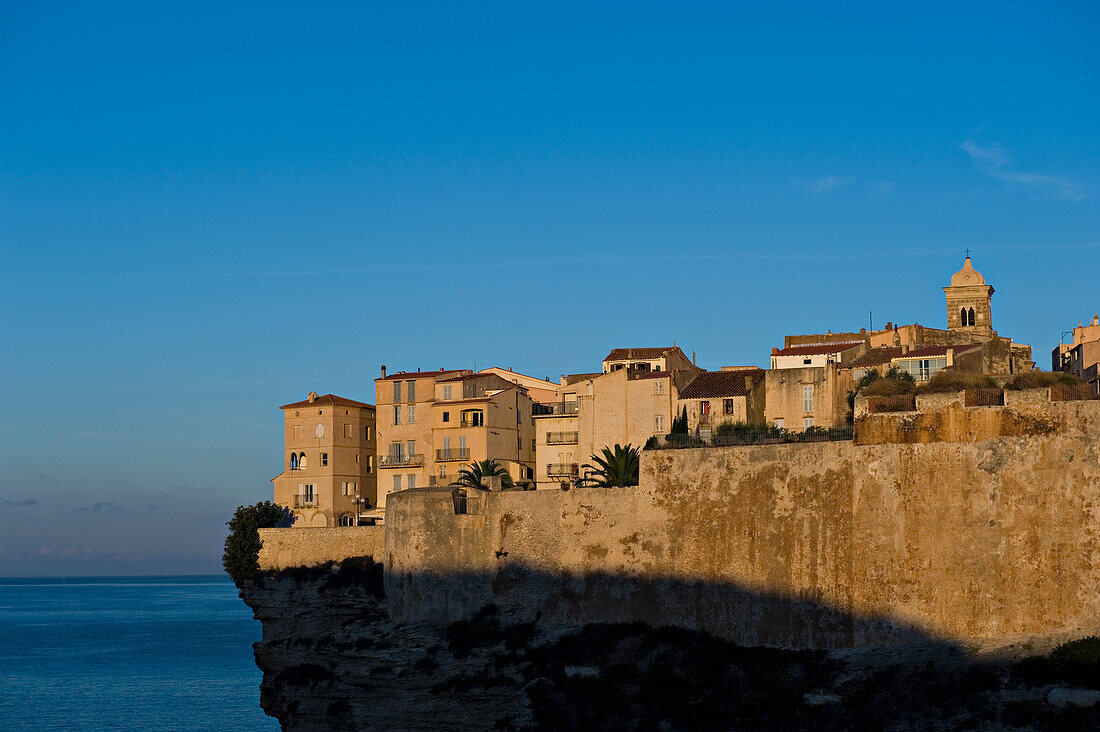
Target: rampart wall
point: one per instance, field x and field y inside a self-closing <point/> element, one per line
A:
<point x="981" y="522"/>
<point x="308" y="546"/>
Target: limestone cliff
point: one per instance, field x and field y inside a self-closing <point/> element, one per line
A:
<point x="333" y="658"/>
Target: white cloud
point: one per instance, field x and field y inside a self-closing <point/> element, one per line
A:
<point x="993" y="161"/>
<point x="828" y="184"/>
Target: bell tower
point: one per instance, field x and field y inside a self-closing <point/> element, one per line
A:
<point x="969" y="302"/>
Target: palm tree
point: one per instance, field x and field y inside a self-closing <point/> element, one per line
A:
<point x="615" y="468"/>
<point x="475" y="474"/>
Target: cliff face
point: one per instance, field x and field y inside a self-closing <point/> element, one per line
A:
<point x="333" y="658"/>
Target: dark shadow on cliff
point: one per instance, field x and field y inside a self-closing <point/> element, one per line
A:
<point x="526" y="649"/>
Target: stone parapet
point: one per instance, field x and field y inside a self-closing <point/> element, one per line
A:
<point x="306" y="547"/>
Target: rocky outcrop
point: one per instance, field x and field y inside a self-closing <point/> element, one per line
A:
<point x="333" y="658"/>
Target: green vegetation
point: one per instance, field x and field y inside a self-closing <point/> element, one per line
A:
<point x="242" y="545"/>
<point x="475" y="474"/>
<point x="949" y="380"/>
<point x="615" y="468"/>
<point x="1076" y="662"/>
<point x="894" y="382"/>
<point x="729" y="429"/>
<point x="1042" y="379"/>
<point x="1082" y="650"/>
<point x="680" y="424"/>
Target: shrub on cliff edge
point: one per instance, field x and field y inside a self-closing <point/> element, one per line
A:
<point x="242" y="545"/>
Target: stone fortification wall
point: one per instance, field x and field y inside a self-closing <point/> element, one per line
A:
<point x="305" y="547"/>
<point x="818" y="544"/>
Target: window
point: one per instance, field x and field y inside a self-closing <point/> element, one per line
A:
<point x="447" y="444"/>
<point x="366" y="433"/>
<point x="397" y="391"/>
<point x="293" y="461"/>
<point x="347" y="431"/>
<point x="370" y="463"/>
<point x="970" y="316"/>
<point x="397" y="414"/>
<point x="807" y="397"/>
<point x="807" y="422"/>
<point x="473" y="418"/>
<point x="307" y="491"/>
<point x="807" y="361"/>
<point x="532" y="443"/>
<point x="411" y="396"/>
<point x="779" y="422"/>
<point x="704" y="407"/>
<point x="446" y="416"/>
<point x="412" y="448"/>
<point x="324" y="459"/>
<point x="462" y="443"/>
<point x="397" y="452"/>
<point x="346" y="520"/>
<point x="519" y="442"/>
<point x="658" y="387"/>
<point x="659" y="423"/>
<point x="447" y="391"/>
<point x="397" y="482"/>
<point x="297" y="432"/>
<point x="320" y="430"/>
<point x="345" y="487"/>
<point x="412" y="414"/>
<point x="410" y="481"/>
<point x="301" y="460"/>
<point x="728" y="407"/>
<point x="962" y="317"/>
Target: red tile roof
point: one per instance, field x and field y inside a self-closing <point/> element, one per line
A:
<point x="402" y="375"/>
<point x="817" y="349"/>
<point x="716" y="384"/>
<point x="877" y="357"/>
<point x="629" y="354"/>
<point x="933" y="351"/>
<point x="328" y="400"/>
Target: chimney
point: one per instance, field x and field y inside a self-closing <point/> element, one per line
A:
<point x="312" y="397"/>
<point x="904" y="348"/>
<point x="775" y="351"/>
<point x="1096" y="319"/>
<point x="889" y="325"/>
<point x="693" y="358"/>
<point x="383" y="371"/>
<point x="863" y="331"/>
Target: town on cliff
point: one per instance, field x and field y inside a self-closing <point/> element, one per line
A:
<point x="497" y="427"/>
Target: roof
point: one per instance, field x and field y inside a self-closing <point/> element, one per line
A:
<point x="967" y="275"/>
<point x="721" y="384"/>
<point x="628" y="354"/>
<point x="401" y="375"/>
<point x="877" y="357"/>
<point x="328" y="400"/>
<point x="932" y="351"/>
<point x="816" y="349"/>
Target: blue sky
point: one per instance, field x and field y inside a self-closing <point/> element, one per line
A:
<point x="207" y="211"/>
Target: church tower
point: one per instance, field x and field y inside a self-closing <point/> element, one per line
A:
<point x="968" y="302"/>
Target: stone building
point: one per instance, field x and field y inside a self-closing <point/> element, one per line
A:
<point x="330" y="475"/>
<point x="434" y="423"/>
<point x="807" y="385"/>
<point x="735" y="394"/>
<point x="632" y="399"/>
<point x="1081" y="357"/>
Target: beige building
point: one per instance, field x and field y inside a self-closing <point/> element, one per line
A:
<point x="435" y="423"/>
<point x="1082" y="356"/>
<point x="633" y="399"/>
<point x="329" y="475"/>
<point x="807" y="385"/>
<point x="735" y="394"/>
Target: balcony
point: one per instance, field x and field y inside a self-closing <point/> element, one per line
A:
<point x="471" y="422"/>
<point x="400" y="461"/>
<point x="561" y="438"/>
<point x="544" y="410"/>
<point x="305" y="501"/>
<point x="561" y="470"/>
<point x="451" y="454"/>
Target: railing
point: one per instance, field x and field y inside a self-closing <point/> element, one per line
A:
<point x="984" y="397"/>
<point x="471" y="423"/>
<point x="450" y="454"/>
<point x="1070" y="392"/>
<point x="557" y="470"/>
<point x="305" y="501"/>
<point x="399" y="461"/>
<point x="704" y="419"/>
<point x="556" y="408"/>
<point x="895" y="403"/>
<point x="561" y="438"/>
<point x="760" y="436"/>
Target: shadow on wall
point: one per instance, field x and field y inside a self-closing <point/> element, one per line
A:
<point x="735" y="613"/>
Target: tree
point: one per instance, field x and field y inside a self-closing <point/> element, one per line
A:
<point x="242" y="545"/>
<point x="680" y="424"/>
<point x="615" y="468"/>
<point x="474" y="475"/>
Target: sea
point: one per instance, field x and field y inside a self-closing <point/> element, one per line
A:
<point x="133" y="653"/>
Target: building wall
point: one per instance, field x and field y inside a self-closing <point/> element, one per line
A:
<point x="351" y="459"/>
<point x="784" y="396"/>
<point x="816" y="544"/>
<point x="307" y="547"/>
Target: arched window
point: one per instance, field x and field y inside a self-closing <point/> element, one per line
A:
<point x="302" y="460"/>
<point x="293" y="461"/>
<point x="320" y="430"/>
<point x="346" y="520"/>
<point x="971" y="317"/>
<point x="962" y="317"/>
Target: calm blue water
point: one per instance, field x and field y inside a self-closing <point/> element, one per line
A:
<point x="128" y="653"/>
